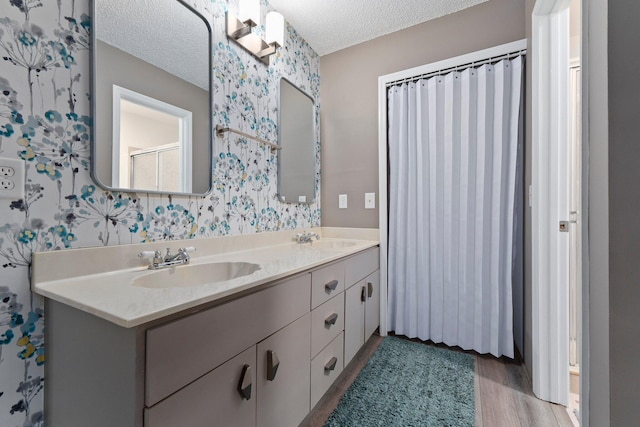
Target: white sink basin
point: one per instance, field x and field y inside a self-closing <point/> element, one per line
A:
<point x="331" y="244"/>
<point x="195" y="274"/>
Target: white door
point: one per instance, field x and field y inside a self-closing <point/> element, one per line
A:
<point x="550" y="200"/>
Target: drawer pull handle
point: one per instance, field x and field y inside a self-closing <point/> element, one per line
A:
<point x="331" y="286"/>
<point x="245" y="383"/>
<point x="370" y="288"/>
<point x="331" y="364"/>
<point x="272" y="365"/>
<point x="363" y="294"/>
<point x="331" y="320"/>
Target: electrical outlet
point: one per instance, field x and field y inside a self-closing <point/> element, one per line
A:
<point x="11" y="179"/>
<point x="7" y="184"/>
<point x="7" y="171"/>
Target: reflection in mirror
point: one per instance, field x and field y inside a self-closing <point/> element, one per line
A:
<point x="152" y="141"/>
<point x="151" y="102"/>
<point x="296" y="160"/>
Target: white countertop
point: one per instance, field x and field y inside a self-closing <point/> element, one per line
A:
<point x="110" y="294"/>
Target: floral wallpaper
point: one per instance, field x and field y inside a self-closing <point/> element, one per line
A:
<point x="45" y="120"/>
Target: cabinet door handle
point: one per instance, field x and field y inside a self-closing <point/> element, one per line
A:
<point x="363" y="294"/>
<point x="245" y="383"/>
<point x="331" y="364"/>
<point x="331" y="286"/>
<point x="272" y="365"/>
<point x="370" y="288"/>
<point x="331" y="320"/>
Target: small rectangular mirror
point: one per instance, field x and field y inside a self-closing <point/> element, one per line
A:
<point x="151" y="97"/>
<point x="296" y="160"/>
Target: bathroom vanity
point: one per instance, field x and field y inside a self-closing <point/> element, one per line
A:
<point x="256" y="350"/>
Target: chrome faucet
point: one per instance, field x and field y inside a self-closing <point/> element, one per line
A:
<point x="168" y="260"/>
<point x="306" y="237"/>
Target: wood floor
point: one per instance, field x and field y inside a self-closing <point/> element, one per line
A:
<point x="503" y="394"/>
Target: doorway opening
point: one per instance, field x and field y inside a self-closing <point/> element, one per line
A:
<point x="556" y="201"/>
<point x="575" y="217"/>
<point x="575" y="244"/>
<point x="152" y="143"/>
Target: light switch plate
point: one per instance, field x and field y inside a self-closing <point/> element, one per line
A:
<point x="369" y="200"/>
<point x="342" y="201"/>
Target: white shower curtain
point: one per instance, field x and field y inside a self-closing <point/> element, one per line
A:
<point x="455" y="190"/>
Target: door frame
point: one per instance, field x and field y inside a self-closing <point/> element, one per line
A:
<point x="383" y="176"/>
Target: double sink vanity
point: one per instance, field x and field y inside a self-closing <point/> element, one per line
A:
<point x="246" y="330"/>
<point x="251" y="332"/>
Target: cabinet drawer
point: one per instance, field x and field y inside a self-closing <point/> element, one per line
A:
<point x="184" y="350"/>
<point x="323" y="369"/>
<point x="215" y="396"/>
<point x="327" y="321"/>
<point x="361" y="265"/>
<point x="326" y="283"/>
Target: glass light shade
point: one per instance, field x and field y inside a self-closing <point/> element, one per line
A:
<point x="249" y="10"/>
<point x="275" y="28"/>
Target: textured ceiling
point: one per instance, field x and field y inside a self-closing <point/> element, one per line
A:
<point x="163" y="33"/>
<point x="331" y="25"/>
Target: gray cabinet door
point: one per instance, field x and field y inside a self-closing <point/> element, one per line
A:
<point x="181" y="351"/>
<point x="354" y="307"/>
<point x="372" y="309"/>
<point x="213" y="400"/>
<point x="284" y="395"/>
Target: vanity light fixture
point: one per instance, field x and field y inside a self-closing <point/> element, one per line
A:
<point x="240" y="29"/>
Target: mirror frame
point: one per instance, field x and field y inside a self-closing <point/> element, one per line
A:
<point x="313" y="142"/>
<point x="94" y="118"/>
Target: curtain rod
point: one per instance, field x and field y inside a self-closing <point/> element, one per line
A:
<point x="221" y="130"/>
<point x="491" y="60"/>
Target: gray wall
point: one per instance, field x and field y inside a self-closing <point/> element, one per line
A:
<point x="349" y="137"/>
<point x="596" y="278"/>
<point x="349" y="96"/>
<point x="624" y="211"/>
<point x="120" y="68"/>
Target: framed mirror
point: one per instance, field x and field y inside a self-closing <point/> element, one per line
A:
<point x="151" y="69"/>
<point x="296" y="160"/>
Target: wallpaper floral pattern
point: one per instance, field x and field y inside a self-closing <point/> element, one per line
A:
<point x="45" y="120"/>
